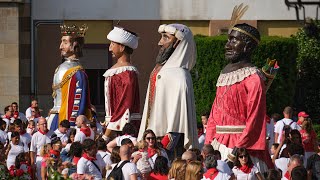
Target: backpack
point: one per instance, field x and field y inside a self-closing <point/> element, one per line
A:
<point x="116" y="173"/>
<point x="286" y="129"/>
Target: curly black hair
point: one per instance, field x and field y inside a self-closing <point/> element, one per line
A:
<point x="251" y="30"/>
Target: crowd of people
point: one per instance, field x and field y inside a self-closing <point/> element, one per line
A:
<point x="32" y="151"/>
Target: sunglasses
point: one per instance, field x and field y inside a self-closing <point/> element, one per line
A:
<point x="150" y="138"/>
<point x="243" y="156"/>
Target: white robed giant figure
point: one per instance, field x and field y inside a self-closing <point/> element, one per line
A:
<point x="169" y="105"/>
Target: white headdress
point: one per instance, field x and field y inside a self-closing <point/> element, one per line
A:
<point x="184" y="55"/>
<point x="124" y="37"/>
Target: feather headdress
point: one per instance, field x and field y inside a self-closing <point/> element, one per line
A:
<point x="237" y="13"/>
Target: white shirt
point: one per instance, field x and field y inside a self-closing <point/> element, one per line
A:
<point x="80" y="136"/>
<point x="223" y="167"/>
<point x="279" y="127"/>
<point x="24" y="138"/>
<point x="28" y="113"/>
<point x="38" y="140"/>
<point x="15" y="150"/>
<point x="105" y="156"/>
<point x="3" y="137"/>
<point x="154" y="157"/>
<point x="63" y="137"/>
<point x="7" y="123"/>
<point x="120" y="138"/>
<point x="127" y="170"/>
<point x="201" y="140"/>
<point x="282" y="164"/>
<point x="22" y="117"/>
<point x="270" y="132"/>
<point x="243" y="176"/>
<point x="87" y="167"/>
<point x="220" y="176"/>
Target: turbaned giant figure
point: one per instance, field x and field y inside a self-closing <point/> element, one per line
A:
<point x="169" y="106"/>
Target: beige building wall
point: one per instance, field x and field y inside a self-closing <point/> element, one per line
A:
<point x="9" y="53"/>
<point x="279" y="28"/>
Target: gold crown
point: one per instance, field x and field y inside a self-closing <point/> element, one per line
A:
<point x="73" y="30"/>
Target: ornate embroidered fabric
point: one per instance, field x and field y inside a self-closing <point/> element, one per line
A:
<point x="111" y="72"/>
<point x="237" y="76"/>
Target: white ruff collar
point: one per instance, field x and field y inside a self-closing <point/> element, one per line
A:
<point x="237" y="76"/>
<point x="114" y="71"/>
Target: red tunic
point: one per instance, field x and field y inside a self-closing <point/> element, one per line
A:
<point x="121" y="96"/>
<point x="242" y="103"/>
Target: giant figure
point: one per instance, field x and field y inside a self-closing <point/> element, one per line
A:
<point x="238" y="115"/>
<point x="169" y="106"/>
<point x="70" y="82"/>
<point x="121" y="88"/>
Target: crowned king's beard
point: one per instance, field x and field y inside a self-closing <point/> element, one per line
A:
<point x="164" y="54"/>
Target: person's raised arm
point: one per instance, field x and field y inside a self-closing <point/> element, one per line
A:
<point x="276" y="154"/>
<point x="111" y="145"/>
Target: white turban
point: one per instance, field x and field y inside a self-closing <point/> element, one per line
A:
<point x="119" y="35"/>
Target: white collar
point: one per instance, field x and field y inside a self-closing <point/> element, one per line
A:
<point x="238" y="75"/>
<point x="118" y="70"/>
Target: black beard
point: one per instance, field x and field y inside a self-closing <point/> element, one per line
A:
<point x="164" y="54"/>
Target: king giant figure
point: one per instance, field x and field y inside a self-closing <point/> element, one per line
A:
<point x="70" y="82"/>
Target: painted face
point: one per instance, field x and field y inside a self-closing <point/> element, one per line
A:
<point x="166" y="44"/>
<point x="243" y="159"/>
<point x="66" y="47"/>
<point x="151" y="139"/>
<point x="235" y="47"/>
<point x="116" y="50"/>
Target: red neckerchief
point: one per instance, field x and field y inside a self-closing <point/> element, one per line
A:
<point x="86" y="156"/>
<point x="22" y="132"/>
<point x="86" y="131"/>
<point x="44" y="133"/>
<point x="75" y="160"/>
<point x="54" y="152"/>
<point x="211" y="173"/>
<point x="16" y="115"/>
<point x="246" y="169"/>
<point x="7" y="117"/>
<point x="151" y="152"/>
<point x="287" y="175"/>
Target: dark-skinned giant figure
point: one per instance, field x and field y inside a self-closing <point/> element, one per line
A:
<point x="238" y="115"/>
